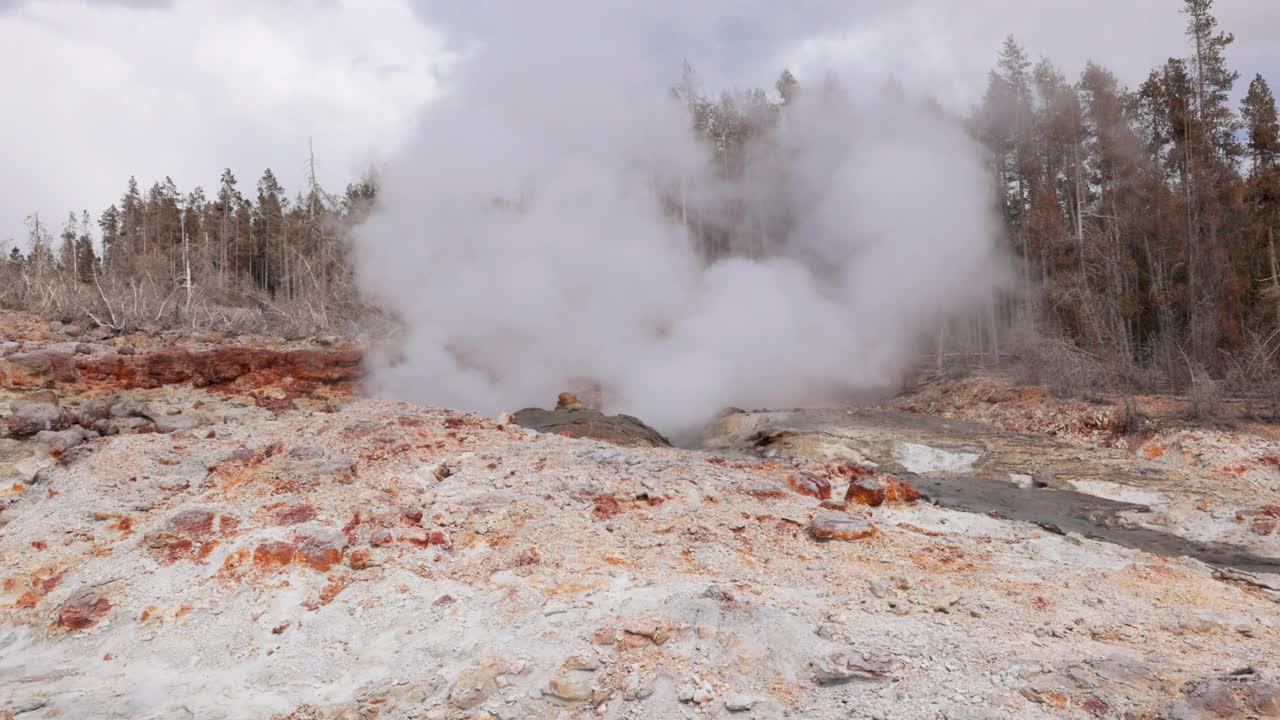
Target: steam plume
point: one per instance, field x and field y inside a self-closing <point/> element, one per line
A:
<point x="533" y="233"/>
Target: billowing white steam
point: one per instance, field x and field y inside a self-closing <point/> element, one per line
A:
<point x="524" y="239"/>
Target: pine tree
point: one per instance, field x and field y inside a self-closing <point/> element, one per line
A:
<point x="270" y="258"/>
<point x="225" y="207"/>
<point x="86" y="258"/>
<point x="1213" y="79"/>
<point x="1261" y="126"/>
<point x="1258" y="111"/>
<point x="112" y="245"/>
<point x="787" y="86"/>
<point x="68" y="260"/>
<point x="127" y="246"/>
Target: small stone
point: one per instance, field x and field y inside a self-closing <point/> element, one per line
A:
<point x="176" y="423"/>
<point x="865" y="491"/>
<point x="581" y="662"/>
<point x="58" y="442"/>
<point x="704" y="694"/>
<point x="633" y="688"/>
<point x="878" y="587"/>
<point x="839" y="526"/>
<point x="474" y="685"/>
<point x="127" y="406"/>
<point x="875" y="490"/>
<point x="83" y="610"/>
<point x="840" y="667"/>
<point x="737" y="702"/>
<point x="807" y="483"/>
<point x="93" y="410"/>
<point x="570" y="689"/>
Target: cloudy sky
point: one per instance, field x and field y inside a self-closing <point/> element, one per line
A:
<point x="96" y="91"/>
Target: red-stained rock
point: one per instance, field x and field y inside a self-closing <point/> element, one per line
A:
<point x="807" y="483"/>
<point x="877" y="490"/>
<point x="38" y="589"/>
<point x="527" y="556"/>
<point x="189" y="535"/>
<point x="324" y="365"/>
<point x="273" y="552"/>
<point x="83" y="610"/>
<point x="192" y="523"/>
<point x="381" y="537"/>
<point x="218" y="365"/>
<point x="764" y="492"/>
<point x="851" y="471"/>
<point x="320" y="553"/>
<point x="168" y="367"/>
<point x="37" y="369"/>
<point x="360" y="559"/>
<point x="838" y="526"/>
<point x="606" y="506"/>
<point x="865" y="491"/>
<point x="295" y="514"/>
<point x="1262" y="521"/>
<point x="439" y="538"/>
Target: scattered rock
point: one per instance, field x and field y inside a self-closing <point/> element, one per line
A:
<point x="127" y="406"/>
<point x="839" y="526"/>
<point x="570" y="689"/>
<point x="807" y="483"/>
<point x="878" y="490"/>
<point x="37" y="412"/>
<point x="695" y="691"/>
<point x="94" y="409"/>
<point x="474" y="685"/>
<point x="581" y="662"/>
<point x="841" y="667"/>
<point x="1208" y="700"/>
<point x="737" y="702"/>
<point x="176" y="423"/>
<point x="58" y="442"/>
<point x="83" y="610"/>
<point x="36" y="369"/>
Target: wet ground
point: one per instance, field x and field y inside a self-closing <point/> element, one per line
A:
<point x="1099" y="493"/>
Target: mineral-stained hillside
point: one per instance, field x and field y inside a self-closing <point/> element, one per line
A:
<point x="286" y="551"/>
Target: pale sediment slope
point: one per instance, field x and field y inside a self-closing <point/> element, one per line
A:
<point x="393" y="561"/>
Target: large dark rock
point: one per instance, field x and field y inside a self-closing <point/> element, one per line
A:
<point x="586" y="423"/>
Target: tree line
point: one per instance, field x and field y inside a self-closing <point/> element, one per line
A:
<point x="237" y="260"/>
<point x="1148" y="215"/>
<point x="1143" y="219"/>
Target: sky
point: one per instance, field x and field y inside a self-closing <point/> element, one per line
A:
<point x="96" y="91"/>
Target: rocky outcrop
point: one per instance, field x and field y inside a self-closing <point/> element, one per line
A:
<point x="587" y="423"/>
<point x="200" y="367"/>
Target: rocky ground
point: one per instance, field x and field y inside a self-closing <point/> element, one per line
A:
<point x="228" y="531"/>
